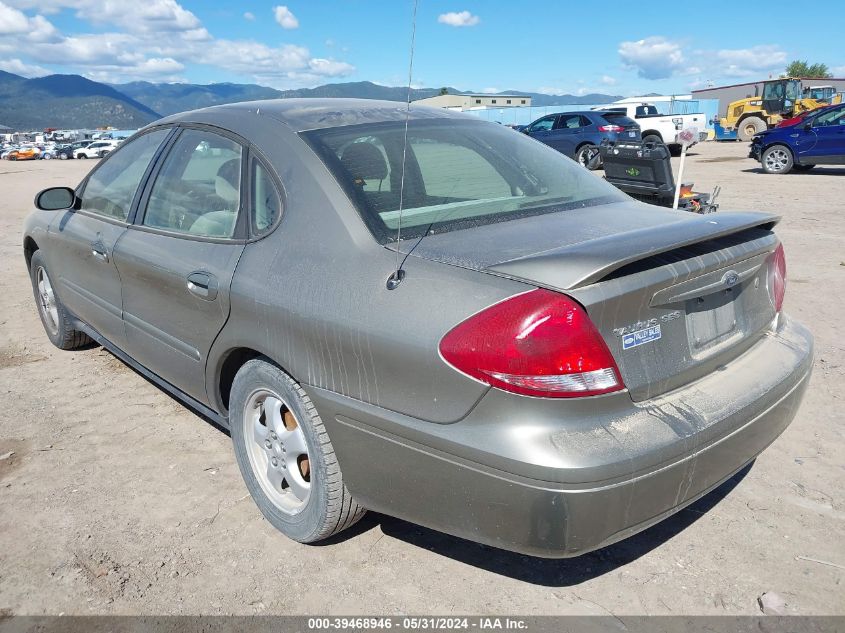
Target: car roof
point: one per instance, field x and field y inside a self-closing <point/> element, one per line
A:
<point x="312" y="114"/>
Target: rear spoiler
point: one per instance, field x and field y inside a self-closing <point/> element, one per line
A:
<point x="587" y="262"/>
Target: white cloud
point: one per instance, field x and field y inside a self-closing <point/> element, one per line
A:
<point x="12" y="21"/>
<point x="459" y="18"/>
<point x="285" y="18"/>
<point x="744" y="62"/>
<point x="658" y="57"/>
<point x="249" y="16"/>
<point x="18" y="67"/>
<point x="607" y="80"/>
<point x="653" y="57"/>
<point x="163" y="39"/>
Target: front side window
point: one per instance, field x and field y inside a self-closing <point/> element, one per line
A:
<point x="458" y="174"/>
<point x="111" y="188"/>
<point x="546" y="123"/>
<point x="836" y="116"/>
<point x="198" y="190"/>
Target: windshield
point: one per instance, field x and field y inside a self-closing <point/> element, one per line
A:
<point x="457" y="174"/>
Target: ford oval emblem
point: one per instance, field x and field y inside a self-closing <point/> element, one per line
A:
<point x="730" y="278"/>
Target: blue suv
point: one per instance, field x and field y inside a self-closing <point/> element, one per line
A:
<point x="819" y="139"/>
<point x="579" y="134"/>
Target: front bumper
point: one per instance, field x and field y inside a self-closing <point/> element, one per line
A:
<point x="755" y="151"/>
<point x="514" y="475"/>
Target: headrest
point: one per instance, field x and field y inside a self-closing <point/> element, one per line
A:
<point x="226" y="184"/>
<point x="364" y="161"/>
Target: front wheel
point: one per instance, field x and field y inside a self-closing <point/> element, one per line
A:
<point x="83" y="156"/>
<point x="777" y="159"/>
<point x="652" y="138"/>
<point x="286" y="457"/>
<point x="55" y="319"/>
<point x="585" y="155"/>
<point x="750" y="126"/>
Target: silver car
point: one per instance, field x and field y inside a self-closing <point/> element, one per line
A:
<point x="432" y="317"/>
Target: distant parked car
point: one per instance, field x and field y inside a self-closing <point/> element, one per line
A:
<point x="579" y="134"/>
<point x="817" y="140"/>
<point x="25" y="153"/>
<point x="97" y="149"/>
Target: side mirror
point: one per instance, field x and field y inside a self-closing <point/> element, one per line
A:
<point x="55" y="198"/>
<point x="808" y="125"/>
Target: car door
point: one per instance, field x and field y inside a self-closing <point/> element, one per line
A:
<point x="567" y="134"/>
<point x="829" y="130"/>
<point x="177" y="260"/>
<point x="82" y="241"/>
<point x="542" y="128"/>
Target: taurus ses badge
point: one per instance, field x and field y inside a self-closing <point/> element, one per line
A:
<point x="730" y="278"/>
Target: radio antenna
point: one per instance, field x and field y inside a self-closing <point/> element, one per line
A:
<point x="398" y="275"/>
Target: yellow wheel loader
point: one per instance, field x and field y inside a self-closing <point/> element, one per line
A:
<point x="781" y="99"/>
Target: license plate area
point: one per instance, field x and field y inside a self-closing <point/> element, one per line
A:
<point x="713" y="321"/>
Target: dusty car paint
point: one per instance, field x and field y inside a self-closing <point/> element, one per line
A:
<point x="415" y="438"/>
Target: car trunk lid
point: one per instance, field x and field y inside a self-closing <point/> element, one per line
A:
<point x="675" y="295"/>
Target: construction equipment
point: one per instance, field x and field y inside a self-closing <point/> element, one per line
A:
<point x="781" y="99"/>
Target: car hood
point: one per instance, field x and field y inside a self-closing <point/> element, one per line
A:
<point x="570" y="249"/>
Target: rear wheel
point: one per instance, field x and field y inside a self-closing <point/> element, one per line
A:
<point x="652" y="138"/>
<point x="55" y="319"/>
<point x="749" y="127"/>
<point x="585" y="154"/>
<point x="776" y="159"/>
<point x="286" y="457"/>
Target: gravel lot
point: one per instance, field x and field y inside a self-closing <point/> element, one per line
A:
<point x="117" y="499"/>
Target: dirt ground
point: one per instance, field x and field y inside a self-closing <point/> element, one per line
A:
<point x="114" y="498"/>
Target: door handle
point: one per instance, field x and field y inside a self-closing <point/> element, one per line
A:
<point x="98" y="250"/>
<point x="203" y="285"/>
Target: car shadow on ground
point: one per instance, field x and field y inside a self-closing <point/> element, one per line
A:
<point x="541" y="571"/>
<point x="818" y="171"/>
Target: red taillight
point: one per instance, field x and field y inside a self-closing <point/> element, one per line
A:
<point x="777" y="276"/>
<point x="610" y="128"/>
<point x="539" y="343"/>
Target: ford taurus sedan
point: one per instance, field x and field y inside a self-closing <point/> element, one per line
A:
<point x="430" y="317"/>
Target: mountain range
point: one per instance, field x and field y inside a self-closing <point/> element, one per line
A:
<point x="71" y="101"/>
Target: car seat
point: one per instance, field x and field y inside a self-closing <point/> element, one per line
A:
<point x="227" y="187"/>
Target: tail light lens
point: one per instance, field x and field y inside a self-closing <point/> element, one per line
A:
<point x="777" y="276"/>
<point x="610" y="127"/>
<point x="539" y="343"/>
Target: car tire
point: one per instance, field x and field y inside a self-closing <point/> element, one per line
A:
<point x="777" y="159"/>
<point x="749" y="127"/>
<point x="286" y="457"/>
<point x="583" y="155"/>
<point x="54" y="317"/>
<point x="47" y="157"/>
<point x="82" y="156"/>
<point x="652" y="138"/>
<point x="62" y="156"/>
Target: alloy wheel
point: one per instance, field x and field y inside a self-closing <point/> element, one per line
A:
<point x="777" y="159"/>
<point x="47" y="301"/>
<point x="278" y="452"/>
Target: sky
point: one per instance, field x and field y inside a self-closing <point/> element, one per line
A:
<point x="549" y="46"/>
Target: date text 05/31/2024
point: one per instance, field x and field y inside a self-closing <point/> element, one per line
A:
<point x="417" y="623"/>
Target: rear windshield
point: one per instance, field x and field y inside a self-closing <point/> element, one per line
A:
<point x="458" y="174"/>
<point x="620" y="118"/>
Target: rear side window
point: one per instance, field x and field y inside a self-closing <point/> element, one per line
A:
<point x="111" y="188"/>
<point x="266" y="205"/>
<point x="198" y="190"/>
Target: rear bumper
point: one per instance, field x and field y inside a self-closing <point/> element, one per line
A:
<point x="557" y="479"/>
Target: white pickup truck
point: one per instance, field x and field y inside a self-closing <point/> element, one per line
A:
<point x="660" y="127"/>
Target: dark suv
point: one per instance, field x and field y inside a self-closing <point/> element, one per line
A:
<point x="579" y="134"/>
